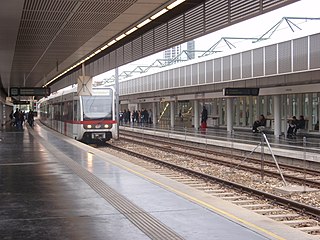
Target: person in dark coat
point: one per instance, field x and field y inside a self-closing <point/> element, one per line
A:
<point x="261" y="122"/>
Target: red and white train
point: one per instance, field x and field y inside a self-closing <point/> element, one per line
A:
<point x="90" y="119"/>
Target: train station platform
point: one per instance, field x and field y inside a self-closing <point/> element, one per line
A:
<point x="53" y="187"/>
<point x="304" y="146"/>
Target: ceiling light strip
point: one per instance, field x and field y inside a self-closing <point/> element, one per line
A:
<point x="140" y="25"/>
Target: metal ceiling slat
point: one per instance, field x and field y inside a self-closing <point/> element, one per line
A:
<point x="176" y="30"/>
<point x="194" y="22"/>
<point x="42" y="20"/>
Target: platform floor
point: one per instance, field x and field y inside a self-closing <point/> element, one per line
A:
<point x="53" y="187"/>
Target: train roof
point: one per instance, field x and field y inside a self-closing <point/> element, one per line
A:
<point x="97" y="91"/>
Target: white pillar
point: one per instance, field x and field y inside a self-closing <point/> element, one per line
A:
<point x="290" y="108"/>
<point x="220" y="111"/>
<point x="250" y="117"/>
<point x="300" y="103"/>
<point x="244" y="112"/>
<point x="215" y="112"/>
<point x="318" y="118"/>
<point x="116" y="100"/>
<point x="285" y="114"/>
<point x="154" y="113"/>
<point x="309" y="117"/>
<point x="277" y="115"/>
<point x="238" y="112"/>
<point x="265" y="105"/>
<point x="196" y="114"/>
<point x="229" y="115"/>
<point x="172" y="114"/>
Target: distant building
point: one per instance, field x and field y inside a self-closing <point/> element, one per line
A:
<point x="175" y="51"/>
<point x="191" y="49"/>
<point x="172" y="53"/>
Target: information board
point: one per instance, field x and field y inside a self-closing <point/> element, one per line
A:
<point x="14" y="91"/>
<point x="241" y="91"/>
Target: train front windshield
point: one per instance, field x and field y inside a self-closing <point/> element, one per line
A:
<point x="97" y="107"/>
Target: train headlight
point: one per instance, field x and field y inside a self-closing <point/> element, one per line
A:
<point x="89" y="126"/>
<point x="106" y="126"/>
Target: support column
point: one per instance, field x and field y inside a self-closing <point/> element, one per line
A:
<point x="215" y="112"/>
<point x="172" y="114"/>
<point x="318" y="115"/>
<point x="196" y="114"/>
<point x="265" y="105"/>
<point x="238" y="112"/>
<point x="285" y="114"/>
<point x="300" y="103"/>
<point x="290" y="108"/>
<point x="250" y="117"/>
<point x="220" y="111"/>
<point x="244" y="112"/>
<point x="154" y="113"/>
<point x="277" y="115"/>
<point x="309" y="117"/>
<point x="229" y="115"/>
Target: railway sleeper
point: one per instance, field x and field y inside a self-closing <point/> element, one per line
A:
<point x="284" y="216"/>
<point x="300" y="222"/>
<point x="310" y="230"/>
<point x="269" y="211"/>
<point x="256" y="206"/>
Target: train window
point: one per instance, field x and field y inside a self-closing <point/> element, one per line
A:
<point x="97" y="107"/>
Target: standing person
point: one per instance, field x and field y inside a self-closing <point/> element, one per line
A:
<point x="204" y="117"/>
<point x="16" y="116"/>
<point x="31" y="118"/>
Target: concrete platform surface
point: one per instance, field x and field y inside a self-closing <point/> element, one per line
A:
<point x="53" y="187"/>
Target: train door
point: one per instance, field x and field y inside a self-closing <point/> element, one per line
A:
<point x="76" y="119"/>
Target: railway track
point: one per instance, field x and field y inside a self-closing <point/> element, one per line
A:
<point x="291" y="173"/>
<point x="304" y="217"/>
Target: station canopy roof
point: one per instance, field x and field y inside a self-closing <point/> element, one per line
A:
<point x="37" y="36"/>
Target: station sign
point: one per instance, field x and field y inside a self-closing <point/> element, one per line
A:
<point x="240" y="91"/>
<point x="15" y="91"/>
<point x="21" y="102"/>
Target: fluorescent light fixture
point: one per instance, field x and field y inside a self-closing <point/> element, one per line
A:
<point x="144" y="23"/>
<point x="163" y="11"/>
<point x="174" y="4"/>
<point x="96" y="52"/>
<point x="131" y="30"/>
<point x="112" y="42"/>
<point x="104" y="47"/>
<point x="120" y="37"/>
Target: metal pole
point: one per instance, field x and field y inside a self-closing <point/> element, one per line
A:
<point x="262" y="157"/>
<point x="117" y="101"/>
<point x="275" y="160"/>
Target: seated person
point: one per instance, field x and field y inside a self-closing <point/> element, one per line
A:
<point x="258" y="123"/>
<point x="292" y="128"/>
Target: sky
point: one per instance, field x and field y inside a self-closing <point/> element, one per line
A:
<point x="254" y="27"/>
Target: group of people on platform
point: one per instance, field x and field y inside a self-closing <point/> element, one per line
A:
<point x="293" y="124"/>
<point x="142" y="116"/>
<point x="19" y="117"/>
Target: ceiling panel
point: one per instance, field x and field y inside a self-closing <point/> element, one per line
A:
<point x="48" y="32"/>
